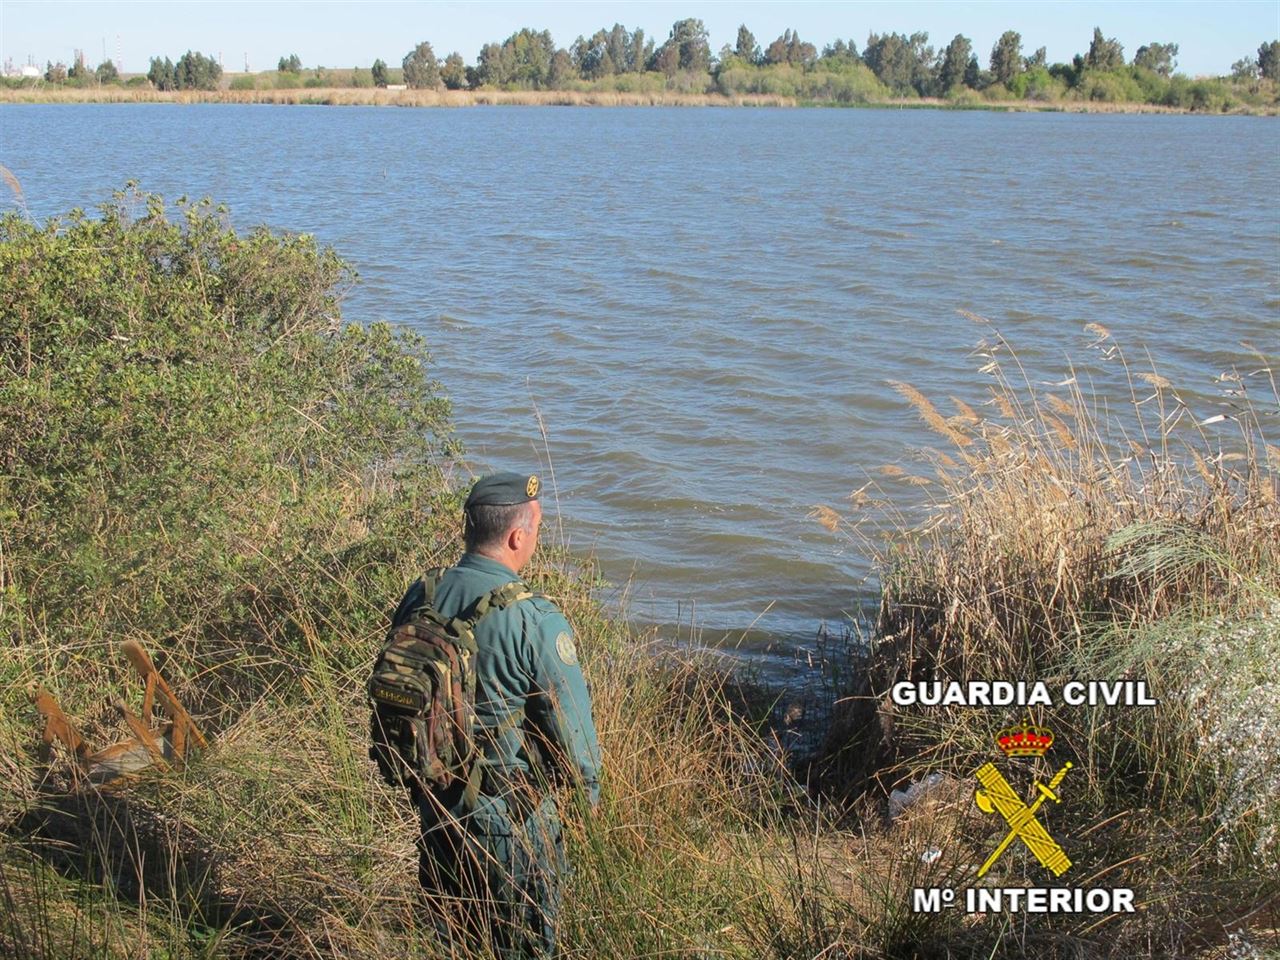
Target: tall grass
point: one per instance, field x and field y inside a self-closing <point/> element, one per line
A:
<point x="1126" y="532"/>
<point x="766" y="91"/>
<point x="347" y="96"/>
<point x="201" y="454"/>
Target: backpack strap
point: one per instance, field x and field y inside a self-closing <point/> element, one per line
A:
<point x="499" y="598"/>
<point x="430" y="583"/>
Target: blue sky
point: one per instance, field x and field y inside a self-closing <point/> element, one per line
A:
<point x="1211" y="35"/>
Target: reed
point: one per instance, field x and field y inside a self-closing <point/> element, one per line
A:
<point x="348" y="96"/>
<point x="365" y="96"/>
<point x="1067" y="536"/>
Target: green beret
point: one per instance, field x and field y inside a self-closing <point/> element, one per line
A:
<point x="503" y="489"/>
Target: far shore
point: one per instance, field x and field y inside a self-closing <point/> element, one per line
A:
<point x="376" y="97"/>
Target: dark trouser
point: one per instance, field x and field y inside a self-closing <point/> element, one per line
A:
<point x="492" y="878"/>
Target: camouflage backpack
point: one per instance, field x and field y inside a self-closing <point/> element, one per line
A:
<point x="423" y="691"/>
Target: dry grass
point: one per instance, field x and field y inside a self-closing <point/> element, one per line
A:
<point x="1070" y="535"/>
<point x="375" y="97"/>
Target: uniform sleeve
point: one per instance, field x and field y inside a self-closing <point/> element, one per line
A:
<point x="559" y="706"/>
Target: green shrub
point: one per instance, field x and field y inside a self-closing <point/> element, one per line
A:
<point x="637" y="82"/>
<point x="1036" y="84"/>
<point x="1110" y="86"/>
<point x="1211" y="96"/>
<point x="243" y="83"/>
<point x="287" y="80"/>
<point x="193" y="446"/>
<point x="856" y="84"/>
<point x="690" y="81"/>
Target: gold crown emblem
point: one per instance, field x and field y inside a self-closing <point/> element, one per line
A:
<point x="1024" y="740"/>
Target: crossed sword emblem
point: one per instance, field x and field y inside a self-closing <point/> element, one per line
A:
<point x="995" y="794"/>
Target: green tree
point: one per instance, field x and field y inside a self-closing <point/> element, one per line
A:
<point x="840" y="54"/>
<point x="491" y="70"/>
<point x="289" y="64"/>
<point x="531" y="53"/>
<point x="421" y="71"/>
<point x="666" y="60"/>
<point x="592" y="57"/>
<point x="55" y="72"/>
<point x="195" y="71"/>
<point x="1038" y="60"/>
<point x="746" y="49"/>
<point x="902" y="63"/>
<point x="689" y="41"/>
<point x="1269" y="60"/>
<point x="1245" y="69"/>
<point x="107" y="72"/>
<point x="379" y="71"/>
<point x="1006" y="57"/>
<point x="1158" y="57"/>
<point x="561" y="71"/>
<point x="607" y="52"/>
<point x="616" y="46"/>
<point x="1104" y="54"/>
<point x="79" y="72"/>
<point x="454" y="72"/>
<point x="162" y="75"/>
<point x="522" y="60"/>
<point x="639" y="53"/>
<point x="973" y="74"/>
<point x="955" y="63"/>
<point x="789" y="48"/>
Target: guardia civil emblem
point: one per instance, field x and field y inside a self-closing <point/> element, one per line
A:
<point x="995" y="795"/>
<point x="566" y="649"/>
<point x="531" y="488"/>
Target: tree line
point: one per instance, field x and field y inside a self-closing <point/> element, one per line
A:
<point x="887" y="65"/>
<point x="904" y="64"/>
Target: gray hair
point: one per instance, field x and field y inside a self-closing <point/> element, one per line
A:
<point x="484" y="525"/>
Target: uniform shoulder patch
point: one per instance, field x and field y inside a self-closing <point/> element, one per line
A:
<point x="566" y="649"/>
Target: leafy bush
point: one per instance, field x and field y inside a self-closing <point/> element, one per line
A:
<point x="1036" y="84"/>
<point x="1110" y="86"/>
<point x="243" y="83"/>
<point x="854" y="84"/>
<point x="1211" y="96"/>
<point x="193" y="446"/>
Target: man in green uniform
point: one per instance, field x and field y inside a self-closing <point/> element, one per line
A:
<point x="495" y="860"/>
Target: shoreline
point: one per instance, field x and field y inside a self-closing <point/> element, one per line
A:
<point x="353" y="96"/>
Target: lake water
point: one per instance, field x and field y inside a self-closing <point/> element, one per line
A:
<point x="704" y="306"/>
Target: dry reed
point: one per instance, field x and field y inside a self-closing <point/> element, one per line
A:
<point x="1073" y="537"/>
